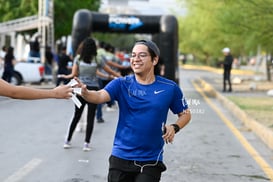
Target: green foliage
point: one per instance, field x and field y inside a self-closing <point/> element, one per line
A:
<point x="13" y="9"/>
<point x="212" y="25"/>
<point x="63" y="12"/>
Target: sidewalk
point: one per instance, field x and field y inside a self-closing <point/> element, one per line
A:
<point x="253" y="85"/>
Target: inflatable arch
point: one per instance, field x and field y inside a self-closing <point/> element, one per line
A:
<point x="164" y="30"/>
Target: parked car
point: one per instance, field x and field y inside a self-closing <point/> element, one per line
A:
<point x="26" y="72"/>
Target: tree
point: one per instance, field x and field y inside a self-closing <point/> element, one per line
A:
<point x="63" y="12"/>
<point x="213" y="24"/>
<point x="25" y="8"/>
<point x="202" y="33"/>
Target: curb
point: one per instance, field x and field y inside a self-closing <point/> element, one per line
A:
<point x="265" y="134"/>
<point x="234" y="71"/>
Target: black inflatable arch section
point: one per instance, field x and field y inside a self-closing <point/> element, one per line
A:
<point x="164" y="30"/>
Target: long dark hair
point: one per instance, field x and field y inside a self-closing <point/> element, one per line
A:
<point x="88" y="50"/>
<point x="9" y="55"/>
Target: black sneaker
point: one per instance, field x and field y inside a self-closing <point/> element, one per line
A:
<point x="100" y="120"/>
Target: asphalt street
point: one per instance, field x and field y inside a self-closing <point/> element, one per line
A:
<point x="214" y="146"/>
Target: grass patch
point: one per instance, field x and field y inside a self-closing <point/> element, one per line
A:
<point x="260" y="108"/>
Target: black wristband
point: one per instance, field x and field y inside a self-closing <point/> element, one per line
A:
<point x="176" y="127"/>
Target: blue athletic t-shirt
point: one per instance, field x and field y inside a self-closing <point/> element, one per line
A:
<point x="142" y="111"/>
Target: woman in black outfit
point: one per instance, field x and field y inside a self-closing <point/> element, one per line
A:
<point x="9" y="62"/>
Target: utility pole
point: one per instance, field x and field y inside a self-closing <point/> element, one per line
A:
<point x="46" y="25"/>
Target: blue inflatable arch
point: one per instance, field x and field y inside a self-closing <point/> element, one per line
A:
<point x="164" y="31"/>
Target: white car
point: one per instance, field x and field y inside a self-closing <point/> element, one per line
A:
<point x="26" y="72"/>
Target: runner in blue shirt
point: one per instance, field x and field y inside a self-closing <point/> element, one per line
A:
<point x="144" y="100"/>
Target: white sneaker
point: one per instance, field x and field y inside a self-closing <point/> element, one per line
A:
<point x="86" y="147"/>
<point x="110" y="109"/>
<point x="67" y="145"/>
<point x="79" y="129"/>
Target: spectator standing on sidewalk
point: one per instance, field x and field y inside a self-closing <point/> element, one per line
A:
<point x="34" y="51"/>
<point x="49" y="60"/>
<point x="227" y="64"/>
<point x="63" y="66"/>
<point x="144" y="101"/>
<point x="9" y="62"/>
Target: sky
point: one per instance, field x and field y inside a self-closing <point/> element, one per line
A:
<point x="148" y="7"/>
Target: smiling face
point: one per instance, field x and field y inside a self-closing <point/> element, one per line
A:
<point x="141" y="60"/>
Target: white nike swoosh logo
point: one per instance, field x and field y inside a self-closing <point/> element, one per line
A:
<point x="157" y="92"/>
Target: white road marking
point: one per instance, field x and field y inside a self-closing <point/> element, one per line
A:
<point x="26" y="169"/>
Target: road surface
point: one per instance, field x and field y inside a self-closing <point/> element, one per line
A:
<point x="214" y="146"/>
